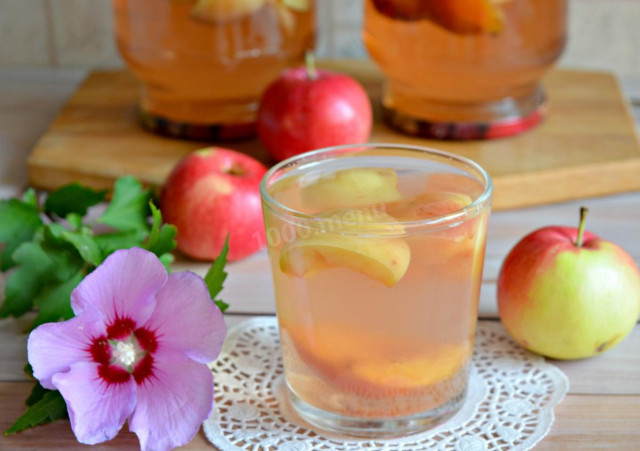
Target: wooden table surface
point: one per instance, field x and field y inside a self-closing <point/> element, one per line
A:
<point x="602" y="409"/>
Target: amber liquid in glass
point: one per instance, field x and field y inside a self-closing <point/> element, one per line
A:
<point x="355" y="342"/>
<point x="471" y="61"/>
<point x="211" y="71"/>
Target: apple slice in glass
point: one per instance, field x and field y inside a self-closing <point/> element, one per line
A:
<point x="385" y="259"/>
<point x="458" y="16"/>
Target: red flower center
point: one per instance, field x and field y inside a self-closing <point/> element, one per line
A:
<point x="125" y="351"/>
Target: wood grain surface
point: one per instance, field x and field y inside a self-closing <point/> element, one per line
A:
<point x="601" y="411"/>
<point x="586" y="147"/>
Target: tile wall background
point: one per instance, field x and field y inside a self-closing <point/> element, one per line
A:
<point x="604" y="34"/>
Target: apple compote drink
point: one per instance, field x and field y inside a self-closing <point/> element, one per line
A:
<point x="377" y="261"/>
<point x="205" y="63"/>
<point x="464" y="69"/>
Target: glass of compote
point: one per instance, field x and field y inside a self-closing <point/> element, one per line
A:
<point x="377" y="254"/>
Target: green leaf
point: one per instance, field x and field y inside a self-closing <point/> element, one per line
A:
<point x="86" y="246"/>
<point x="128" y="209"/>
<point x="29" y="197"/>
<point x="54" y="302"/>
<point x="50" y="408"/>
<point x="223" y="306"/>
<point x="111" y="242"/>
<point x="162" y="238"/>
<point x="73" y="198"/>
<point x="37" y="393"/>
<point x="18" y="223"/>
<point x="74" y="220"/>
<point x="216" y="276"/>
<point x="65" y="257"/>
<point x="167" y="260"/>
<point x="33" y="273"/>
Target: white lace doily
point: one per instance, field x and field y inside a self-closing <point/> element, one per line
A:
<point x="509" y="406"/>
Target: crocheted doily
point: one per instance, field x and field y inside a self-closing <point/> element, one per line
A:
<point x="509" y="405"/>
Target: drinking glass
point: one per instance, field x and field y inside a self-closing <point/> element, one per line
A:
<point x="464" y="69"/>
<point x="377" y="254"/>
<point x="203" y="64"/>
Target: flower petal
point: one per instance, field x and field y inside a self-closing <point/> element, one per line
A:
<point x="97" y="410"/>
<point x="124" y="285"/>
<point x="53" y="347"/>
<point x="173" y="403"/>
<point x="186" y="319"/>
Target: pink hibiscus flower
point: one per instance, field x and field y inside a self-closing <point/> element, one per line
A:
<point x="136" y="351"/>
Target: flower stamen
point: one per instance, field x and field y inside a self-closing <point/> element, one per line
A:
<point x="124" y="353"/>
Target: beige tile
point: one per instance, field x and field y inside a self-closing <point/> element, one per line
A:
<point x="348" y="43"/>
<point x="324" y="29"/>
<point x="83" y="33"/>
<point x="604" y="35"/>
<point x="347" y="12"/>
<point x="23" y="33"/>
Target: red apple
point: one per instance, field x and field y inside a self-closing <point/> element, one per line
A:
<point x="567" y="294"/>
<point x="306" y="109"/>
<point x="211" y="193"/>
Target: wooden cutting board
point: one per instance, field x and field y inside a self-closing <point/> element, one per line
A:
<point x="586" y="147"/>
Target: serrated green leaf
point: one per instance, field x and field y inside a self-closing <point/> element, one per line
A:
<point x="18" y="223"/>
<point x="54" y="301"/>
<point x="221" y="305"/>
<point x="50" y="408"/>
<point x="216" y="275"/>
<point x="167" y="260"/>
<point x="29" y="197"/>
<point x="73" y="198"/>
<point x="65" y="257"/>
<point x="74" y="220"/>
<point x="162" y="238"/>
<point x="34" y="271"/>
<point x="111" y="242"/>
<point x="37" y="393"/>
<point x="129" y="206"/>
<point x="86" y="246"/>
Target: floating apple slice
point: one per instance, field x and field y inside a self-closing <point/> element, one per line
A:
<point x="285" y="8"/>
<point x="352" y="188"/>
<point x="458" y="16"/>
<point x="221" y="11"/>
<point x="436" y="365"/>
<point x="384" y="259"/>
<point x="455" y="183"/>
<point x="427" y="205"/>
<point x="297" y="5"/>
<point x="367" y="366"/>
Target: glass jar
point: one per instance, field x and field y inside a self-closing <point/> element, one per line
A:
<point x="464" y="69"/>
<point x="203" y="64"/>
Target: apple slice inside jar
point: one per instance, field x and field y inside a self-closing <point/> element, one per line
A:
<point x="221" y="11"/>
<point x="458" y="16"/>
<point x="385" y="259"/>
<point x="297" y="5"/>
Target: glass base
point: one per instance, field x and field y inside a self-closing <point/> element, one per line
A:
<point x="489" y="120"/>
<point x="196" y="132"/>
<point x="375" y="427"/>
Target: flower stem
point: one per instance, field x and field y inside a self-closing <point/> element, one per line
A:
<point x="583" y="216"/>
<point x="310" y="62"/>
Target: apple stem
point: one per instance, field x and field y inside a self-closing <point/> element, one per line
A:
<point x="583" y="216"/>
<point x="310" y="62"/>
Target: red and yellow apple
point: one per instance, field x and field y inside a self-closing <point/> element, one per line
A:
<point x="211" y="193"/>
<point x="306" y="109"/>
<point x="567" y="294"/>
